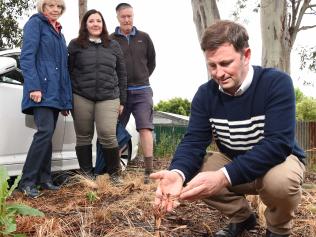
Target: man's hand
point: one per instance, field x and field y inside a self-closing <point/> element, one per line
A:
<point x="203" y="185"/>
<point x="168" y="190"/>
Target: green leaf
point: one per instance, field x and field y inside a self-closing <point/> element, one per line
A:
<point x="14" y="186"/>
<point x="3" y="183"/>
<point x="24" y="210"/>
<point x="18" y="235"/>
<point x="9" y="225"/>
<point x="92" y="196"/>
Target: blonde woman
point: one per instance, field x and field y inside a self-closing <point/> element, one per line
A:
<point x="46" y="90"/>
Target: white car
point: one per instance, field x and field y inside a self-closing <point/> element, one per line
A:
<point x="17" y="129"/>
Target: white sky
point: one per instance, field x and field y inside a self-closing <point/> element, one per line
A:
<point x="180" y="62"/>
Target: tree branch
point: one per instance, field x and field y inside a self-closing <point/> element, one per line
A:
<point x="298" y="22"/>
<point x="306" y="27"/>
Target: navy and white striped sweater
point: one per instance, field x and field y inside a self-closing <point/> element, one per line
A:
<point x="256" y="129"/>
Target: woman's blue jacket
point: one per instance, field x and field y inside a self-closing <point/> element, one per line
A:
<point x="44" y="66"/>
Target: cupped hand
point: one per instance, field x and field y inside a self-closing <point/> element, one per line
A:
<point x="169" y="188"/>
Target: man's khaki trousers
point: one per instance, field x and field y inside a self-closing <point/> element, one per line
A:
<point x="279" y="189"/>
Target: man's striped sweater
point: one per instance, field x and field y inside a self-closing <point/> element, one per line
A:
<point x="256" y="129"/>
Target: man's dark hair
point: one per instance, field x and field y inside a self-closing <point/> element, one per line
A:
<point x="122" y="6"/>
<point x="224" y="31"/>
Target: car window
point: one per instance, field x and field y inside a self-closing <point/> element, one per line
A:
<point x="12" y="77"/>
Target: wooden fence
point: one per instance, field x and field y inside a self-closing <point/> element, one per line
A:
<point x="306" y="138"/>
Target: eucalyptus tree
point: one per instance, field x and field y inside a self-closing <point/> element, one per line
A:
<point x="281" y="21"/>
<point x="82" y="8"/>
<point x="205" y="12"/>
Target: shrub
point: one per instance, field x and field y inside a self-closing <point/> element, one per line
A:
<point x="8" y="212"/>
<point x="167" y="144"/>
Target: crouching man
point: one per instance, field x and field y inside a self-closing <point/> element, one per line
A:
<point x="250" y="112"/>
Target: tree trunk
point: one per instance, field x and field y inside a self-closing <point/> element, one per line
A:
<point x="82" y="9"/>
<point x="276" y="46"/>
<point x="205" y="12"/>
<point x="279" y="26"/>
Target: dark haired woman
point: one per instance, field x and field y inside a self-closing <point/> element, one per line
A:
<point x="98" y="76"/>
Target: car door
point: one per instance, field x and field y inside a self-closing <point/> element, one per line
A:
<point x="69" y="159"/>
<point x="64" y="157"/>
<point x="17" y="129"/>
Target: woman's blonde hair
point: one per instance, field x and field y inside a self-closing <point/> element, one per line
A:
<point x="41" y="3"/>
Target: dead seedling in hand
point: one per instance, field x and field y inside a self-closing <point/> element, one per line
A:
<point x="161" y="210"/>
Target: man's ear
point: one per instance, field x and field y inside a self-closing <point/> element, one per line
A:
<point x="247" y="53"/>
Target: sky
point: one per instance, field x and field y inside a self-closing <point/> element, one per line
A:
<point x="180" y="66"/>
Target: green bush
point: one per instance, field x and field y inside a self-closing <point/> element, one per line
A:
<point x="167" y="144"/>
<point x="168" y="138"/>
<point x="306" y="109"/>
<point x="176" y="105"/>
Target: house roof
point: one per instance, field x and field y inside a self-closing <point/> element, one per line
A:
<point x="170" y="118"/>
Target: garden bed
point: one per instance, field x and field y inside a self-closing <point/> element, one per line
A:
<point x="84" y="207"/>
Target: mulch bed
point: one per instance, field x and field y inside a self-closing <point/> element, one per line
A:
<point x="87" y="208"/>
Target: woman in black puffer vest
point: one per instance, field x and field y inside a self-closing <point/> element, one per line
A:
<point x="98" y="76"/>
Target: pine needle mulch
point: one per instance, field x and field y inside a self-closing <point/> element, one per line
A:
<point x="88" y="208"/>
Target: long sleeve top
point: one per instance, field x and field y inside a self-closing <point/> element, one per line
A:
<point x="140" y="56"/>
<point x="256" y="130"/>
